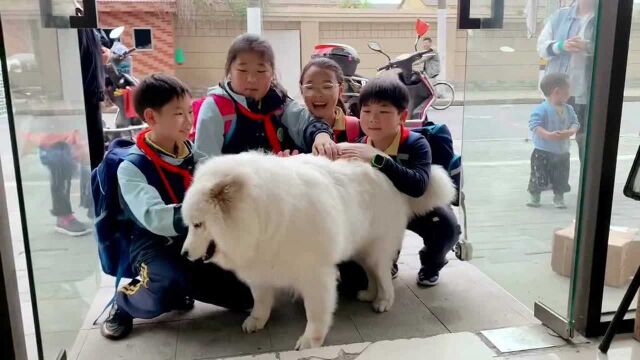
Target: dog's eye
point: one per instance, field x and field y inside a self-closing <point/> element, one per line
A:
<point x="197" y="225"/>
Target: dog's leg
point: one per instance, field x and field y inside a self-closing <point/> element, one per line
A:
<point x="319" y="296"/>
<point x="386" y="294"/>
<point x="262" y="302"/>
<point x="372" y="288"/>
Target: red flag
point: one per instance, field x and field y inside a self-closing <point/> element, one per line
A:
<point x="421" y="27"/>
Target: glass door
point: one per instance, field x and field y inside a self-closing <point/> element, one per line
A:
<point x="522" y="163"/>
<point x="45" y="158"/>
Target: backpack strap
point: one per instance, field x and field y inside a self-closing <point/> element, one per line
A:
<point x="227" y="110"/>
<point x="233" y="106"/>
<point x="352" y="127"/>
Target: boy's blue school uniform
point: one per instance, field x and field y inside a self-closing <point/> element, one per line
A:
<point x="409" y="170"/>
<point x="158" y="232"/>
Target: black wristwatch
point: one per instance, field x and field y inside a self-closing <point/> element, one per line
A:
<point x="377" y="161"/>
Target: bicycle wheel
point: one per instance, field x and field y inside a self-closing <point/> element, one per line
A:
<point x="444" y="95"/>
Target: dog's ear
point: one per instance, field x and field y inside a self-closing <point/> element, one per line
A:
<point x="225" y="192"/>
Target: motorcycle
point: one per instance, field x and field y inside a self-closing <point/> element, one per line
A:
<point x="348" y="59"/>
<point x="421" y="92"/>
<point x="119" y="84"/>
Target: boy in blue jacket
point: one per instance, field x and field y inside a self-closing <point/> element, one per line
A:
<point x="405" y="158"/>
<point x="552" y="124"/>
<point x="152" y="181"/>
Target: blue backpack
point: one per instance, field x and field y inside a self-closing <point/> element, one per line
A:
<point x="112" y="232"/>
<point x="442" y="153"/>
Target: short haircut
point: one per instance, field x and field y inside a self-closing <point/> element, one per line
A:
<point x="385" y="88"/>
<point x="426" y="38"/>
<point x="553" y="81"/>
<point x="156" y="91"/>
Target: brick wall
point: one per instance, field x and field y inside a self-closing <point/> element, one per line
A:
<point x="19" y="36"/>
<point x="156" y="15"/>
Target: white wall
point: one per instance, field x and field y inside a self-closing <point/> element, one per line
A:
<point x="286" y="45"/>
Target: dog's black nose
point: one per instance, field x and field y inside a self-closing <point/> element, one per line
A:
<point x="185" y="253"/>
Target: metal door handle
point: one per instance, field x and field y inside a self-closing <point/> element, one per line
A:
<point x="88" y="19"/>
<point x="465" y="21"/>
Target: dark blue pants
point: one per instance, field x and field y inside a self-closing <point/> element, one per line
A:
<point x="166" y="278"/>
<point x="439" y="231"/>
<point x="62" y="167"/>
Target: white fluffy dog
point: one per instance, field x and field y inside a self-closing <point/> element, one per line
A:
<point x="286" y="223"/>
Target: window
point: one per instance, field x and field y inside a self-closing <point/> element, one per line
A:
<point x="143" y="39"/>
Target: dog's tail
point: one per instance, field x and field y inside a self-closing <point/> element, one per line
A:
<point x="440" y="192"/>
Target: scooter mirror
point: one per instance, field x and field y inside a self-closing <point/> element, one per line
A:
<point x="374" y="46"/>
<point x="116" y="33"/>
<point x="421" y="27"/>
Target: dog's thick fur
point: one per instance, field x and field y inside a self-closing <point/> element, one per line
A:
<point x="286" y="223"/>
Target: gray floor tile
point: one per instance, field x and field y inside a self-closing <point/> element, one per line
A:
<point x="288" y="321"/>
<point x="407" y="318"/>
<point x="460" y="346"/>
<point x="146" y="342"/>
<point x="218" y="335"/>
<point x="522" y="338"/>
<point x="467" y="300"/>
<point x="330" y="352"/>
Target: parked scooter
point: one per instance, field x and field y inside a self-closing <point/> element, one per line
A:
<point x="120" y="82"/>
<point x="348" y="59"/>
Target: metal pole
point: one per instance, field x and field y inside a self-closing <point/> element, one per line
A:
<point x="254" y="17"/>
<point x="442" y="37"/>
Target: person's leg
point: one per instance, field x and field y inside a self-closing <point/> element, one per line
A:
<point x="559" y="175"/>
<point x="162" y="287"/>
<point x="581" y="112"/>
<point x="58" y="159"/>
<point x="353" y="278"/>
<point x="213" y="285"/>
<point x="440" y="232"/>
<point x="537" y="182"/>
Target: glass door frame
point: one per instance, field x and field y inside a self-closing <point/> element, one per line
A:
<point x="14" y="342"/>
<point x="603" y="134"/>
<point x="597" y="188"/>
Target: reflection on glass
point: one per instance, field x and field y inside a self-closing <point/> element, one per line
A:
<point x="521" y="154"/>
<point x="50" y="128"/>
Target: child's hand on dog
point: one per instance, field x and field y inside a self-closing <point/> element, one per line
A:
<point x="288" y="153"/>
<point x="325" y="146"/>
<point x="362" y="152"/>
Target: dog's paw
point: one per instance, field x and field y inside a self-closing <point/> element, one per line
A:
<point x="366" y="296"/>
<point x="252" y="324"/>
<point x="308" y="342"/>
<point x="382" y="305"/>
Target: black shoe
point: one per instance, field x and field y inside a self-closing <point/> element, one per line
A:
<point x="394" y="271"/>
<point x="427" y="280"/>
<point x="186" y="305"/>
<point x="118" y="325"/>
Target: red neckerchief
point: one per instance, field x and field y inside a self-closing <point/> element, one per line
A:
<point x="404" y="135"/>
<point x="160" y="164"/>
<point x="270" y="130"/>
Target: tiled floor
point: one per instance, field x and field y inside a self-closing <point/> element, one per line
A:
<point x="456" y="346"/>
<point x="458" y="303"/>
